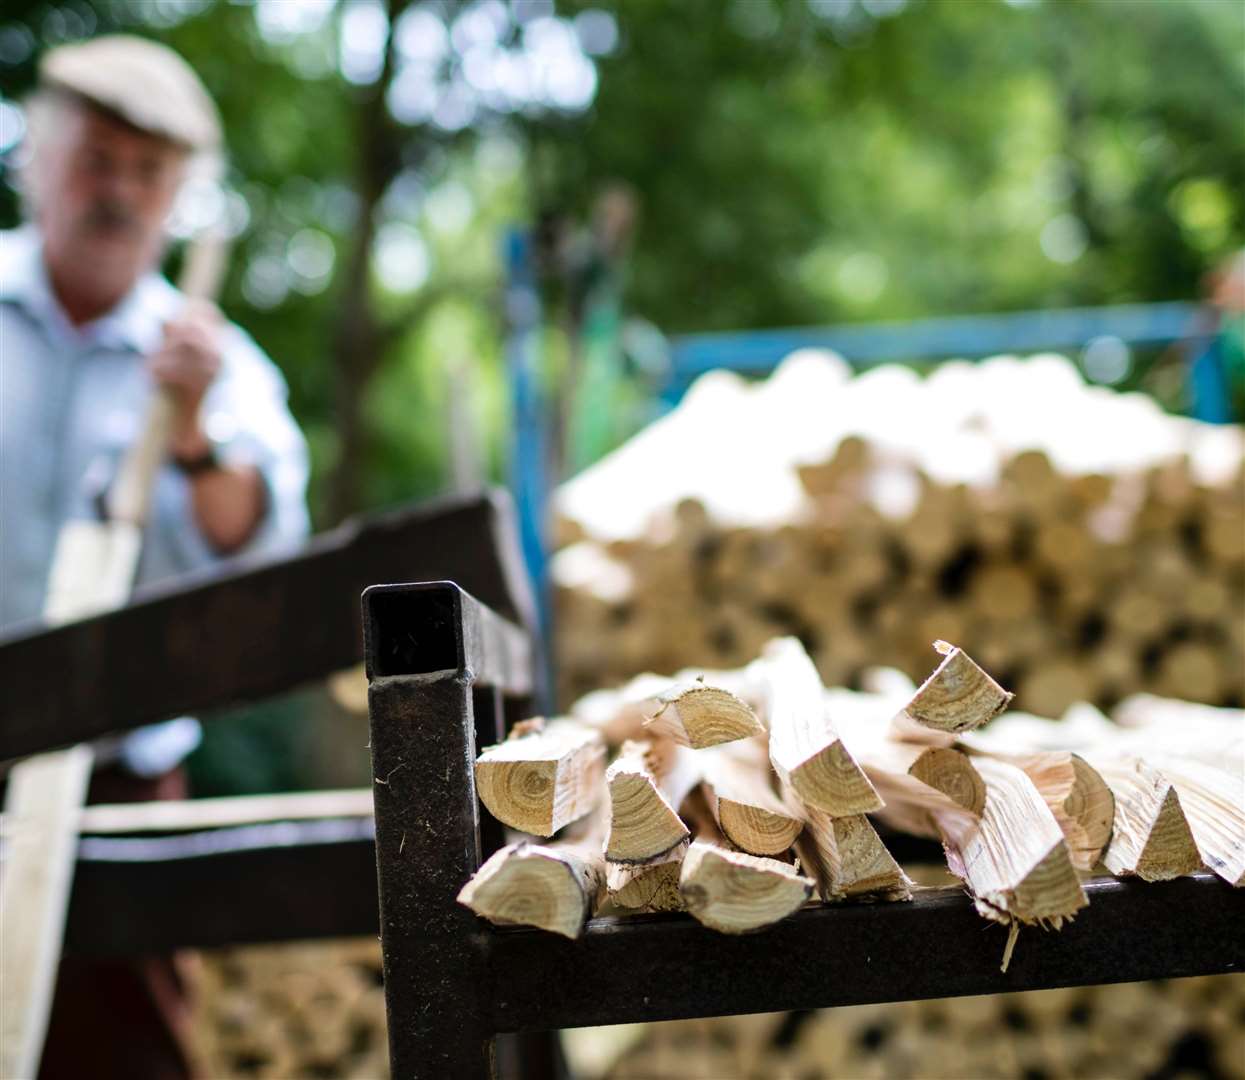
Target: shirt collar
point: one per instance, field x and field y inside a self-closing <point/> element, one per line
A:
<point x="136" y="322"/>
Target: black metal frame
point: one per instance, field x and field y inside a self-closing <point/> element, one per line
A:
<point x="441" y="666"/>
<point x="251" y="629"/>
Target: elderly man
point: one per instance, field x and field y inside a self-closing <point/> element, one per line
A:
<point x="88" y="331"/>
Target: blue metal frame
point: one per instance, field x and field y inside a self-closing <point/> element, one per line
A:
<point x="756" y="352"/>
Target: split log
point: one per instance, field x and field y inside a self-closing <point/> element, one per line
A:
<point x="957" y="697"/>
<point x="652" y="886"/>
<point x="1212" y="802"/>
<point x="543" y="777"/>
<point x="701" y="716"/>
<point x="647" y="782"/>
<point x="738" y="790"/>
<point x="922" y="785"/>
<point x="1015" y="860"/>
<point x="1079" y="798"/>
<point x="804" y="748"/>
<point x="1151" y="837"/>
<point x="552" y="887"/>
<point x="733" y="892"/>
<point x="846" y="857"/>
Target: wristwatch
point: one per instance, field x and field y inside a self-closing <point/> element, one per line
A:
<point x="200" y="463"/>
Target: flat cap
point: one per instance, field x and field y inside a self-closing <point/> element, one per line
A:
<point x="146" y="84"/>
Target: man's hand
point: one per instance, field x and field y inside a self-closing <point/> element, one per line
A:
<point x="228" y="500"/>
<point x="185" y="365"/>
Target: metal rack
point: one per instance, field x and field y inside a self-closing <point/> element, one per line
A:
<point x="249" y="630"/>
<point x="445" y="673"/>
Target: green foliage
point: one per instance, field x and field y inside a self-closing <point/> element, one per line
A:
<point x="793" y="162"/>
<point x="803" y="161"/>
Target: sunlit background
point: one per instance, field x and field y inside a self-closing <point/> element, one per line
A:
<point x="804" y="162"/>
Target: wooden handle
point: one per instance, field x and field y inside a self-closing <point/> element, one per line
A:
<point x="129" y="498"/>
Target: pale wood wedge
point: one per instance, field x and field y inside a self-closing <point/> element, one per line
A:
<point x="551" y="887"/>
<point x="847" y="858"/>
<point x="700" y="715"/>
<point x="647" y="782"/>
<point x="958" y="697"/>
<point x="1015" y="861"/>
<point x="652" y="886"/>
<point x="734" y="892"/>
<point x="738" y="788"/>
<point x="543" y="777"/>
<point x="804" y="747"/>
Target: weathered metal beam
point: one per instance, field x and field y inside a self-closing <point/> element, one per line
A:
<point x="431" y="649"/>
<point x="284" y="881"/>
<point x="667" y="967"/>
<point x="249" y="630"/>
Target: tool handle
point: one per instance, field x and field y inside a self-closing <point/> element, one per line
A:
<point x="129" y="498"/>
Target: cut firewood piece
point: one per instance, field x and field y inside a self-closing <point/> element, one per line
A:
<point x="738" y="789"/>
<point x="1015" y="861"/>
<point x="650" y="886"/>
<point x="846" y="857"/>
<point x="1080" y="800"/>
<point x="700" y="715"/>
<point x="1151" y="837"/>
<point x="542" y="777"/>
<point x="804" y="747"/>
<point x="944" y="769"/>
<point x="959" y="696"/>
<point x="1212" y="802"/>
<point x="914" y="779"/>
<point x="1078" y="797"/>
<point x="553" y="887"/>
<point x="647" y="782"/>
<point x="733" y="892"/>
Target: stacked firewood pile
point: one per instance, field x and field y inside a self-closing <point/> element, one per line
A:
<point x="285" y="1011"/>
<point x="257" y="1005"/>
<point x="1187" y="1027"/>
<point x="737" y="795"/>
<point x="1082" y="544"/>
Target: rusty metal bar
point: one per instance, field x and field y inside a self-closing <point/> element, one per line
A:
<point x="252" y="629"/>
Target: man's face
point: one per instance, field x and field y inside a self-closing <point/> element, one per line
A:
<point x="105" y="192"/>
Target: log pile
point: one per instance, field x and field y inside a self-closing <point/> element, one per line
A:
<point x="730" y="795"/>
<point x="1185" y="1027"/>
<point x="1080" y="543"/>
<point x="737" y="794"/>
<point x="307" y="1010"/>
<point x="283" y="1011"/>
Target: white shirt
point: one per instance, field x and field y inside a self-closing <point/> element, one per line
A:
<point x="73" y="399"/>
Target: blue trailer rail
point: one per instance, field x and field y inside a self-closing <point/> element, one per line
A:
<point x="756" y="352"/>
